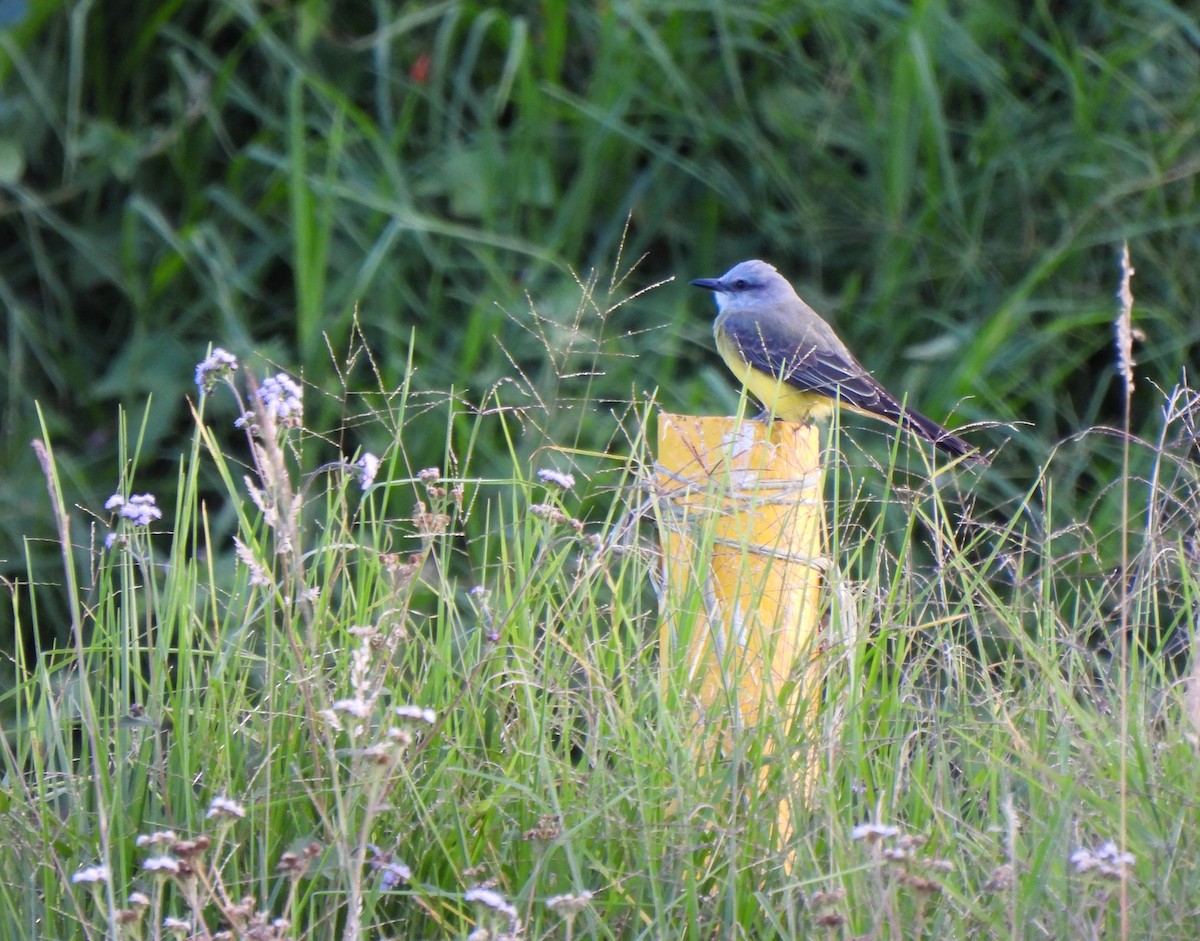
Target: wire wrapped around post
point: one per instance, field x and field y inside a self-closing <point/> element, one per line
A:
<point x="741" y="516"/>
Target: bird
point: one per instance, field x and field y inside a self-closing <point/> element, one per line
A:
<point x="790" y="359"/>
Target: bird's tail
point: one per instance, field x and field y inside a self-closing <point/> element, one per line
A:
<point x="949" y="442"/>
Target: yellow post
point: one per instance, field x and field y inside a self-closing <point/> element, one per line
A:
<point x="742" y="525"/>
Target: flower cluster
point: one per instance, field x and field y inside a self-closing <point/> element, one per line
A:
<point x="223" y="808"/>
<point x="901" y="855"/>
<point x="91" y="875"/>
<point x="874" y="832"/>
<point x="1109" y="861"/>
<point x="140" y="509"/>
<point x="283" y="397"/>
<point x="558" y="478"/>
<point x="217" y="366"/>
<point x="497" y="917"/>
<point x="367" y="468"/>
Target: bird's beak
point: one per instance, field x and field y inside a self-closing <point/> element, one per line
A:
<point x="709" y="284"/>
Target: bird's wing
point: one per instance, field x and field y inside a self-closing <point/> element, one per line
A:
<point x="822" y="365"/>
<point x="817" y="363"/>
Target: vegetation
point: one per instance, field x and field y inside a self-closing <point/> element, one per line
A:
<point x="450" y="222"/>
<point x="432" y="705"/>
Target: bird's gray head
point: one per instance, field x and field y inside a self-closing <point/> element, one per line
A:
<point x="748" y="285"/>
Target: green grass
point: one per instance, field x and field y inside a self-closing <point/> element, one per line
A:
<point x="407" y="207"/>
<point x="976" y="697"/>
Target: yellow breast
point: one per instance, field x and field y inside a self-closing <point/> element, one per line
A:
<point x="778" y="397"/>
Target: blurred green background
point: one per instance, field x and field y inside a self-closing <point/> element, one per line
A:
<point x="949" y="182"/>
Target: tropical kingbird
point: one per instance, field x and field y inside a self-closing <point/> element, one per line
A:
<point x="791" y="360"/>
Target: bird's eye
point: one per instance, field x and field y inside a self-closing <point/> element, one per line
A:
<point x="740" y="284"/>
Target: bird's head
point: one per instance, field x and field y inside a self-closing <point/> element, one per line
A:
<point x="748" y="285"/>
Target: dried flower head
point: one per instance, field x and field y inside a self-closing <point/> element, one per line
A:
<point x="428" y="523"/>
<point x="919" y="884"/>
<point x="401" y="572"/>
<point x="896" y="854"/>
<point x="548" y="828"/>
<point x="827" y="898"/>
<point x="186" y="849"/>
<point x="549" y="513"/>
<point x="241" y="913"/>
<point x="1001" y="880"/>
<point x="379" y="755"/>
<point x="128" y="916"/>
<point x="296" y="863"/>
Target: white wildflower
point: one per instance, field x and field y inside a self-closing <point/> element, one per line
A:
<point x="358" y="708"/>
<point x="1108" y="861"/>
<point x="368" y="469"/>
<point x="224" y="807"/>
<point x="91" y="874"/>
<point x="568" y="906"/>
<point x="490" y="899"/>
<point x="559" y="478"/>
<point x="157" y="838"/>
<point x="417" y="714"/>
<point x="164" y="864"/>
<point x="874" y="832"/>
